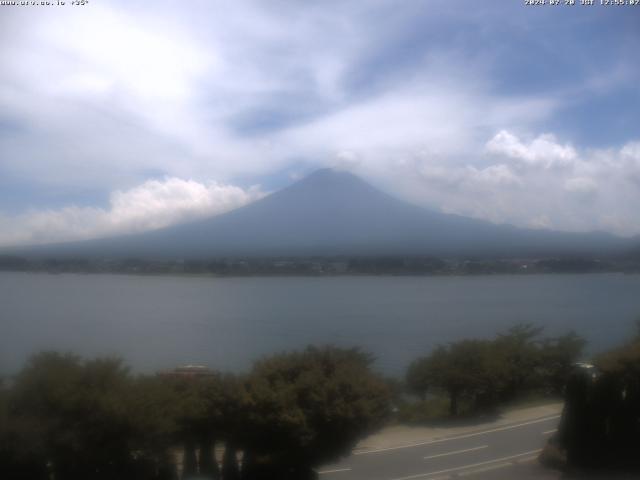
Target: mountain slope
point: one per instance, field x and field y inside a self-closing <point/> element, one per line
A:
<point x="336" y="213"/>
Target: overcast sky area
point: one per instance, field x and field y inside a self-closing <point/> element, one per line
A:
<point x="122" y="116"/>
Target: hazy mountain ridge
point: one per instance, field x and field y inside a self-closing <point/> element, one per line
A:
<point x="336" y="213"/>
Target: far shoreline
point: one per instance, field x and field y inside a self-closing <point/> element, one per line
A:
<point x="325" y="266"/>
<point x="317" y="276"/>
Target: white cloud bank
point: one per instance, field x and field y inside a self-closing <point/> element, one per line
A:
<point x="152" y="205"/>
<point x="538" y="182"/>
<point x="543" y="151"/>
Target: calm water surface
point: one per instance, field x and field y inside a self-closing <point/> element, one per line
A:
<point x="159" y="322"/>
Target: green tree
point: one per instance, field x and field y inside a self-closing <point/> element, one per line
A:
<point x="600" y="424"/>
<point x="619" y="407"/>
<point x="306" y="408"/>
<point x="21" y="447"/>
<point x="484" y="373"/>
<point x="519" y="353"/>
<point x="230" y="414"/>
<point x="466" y="370"/>
<point x="202" y="403"/>
<point x="419" y="377"/>
<point x="154" y="409"/>
<point x="89" y="419"/>
<point x="557" y="358"/>
<point x="81" y="413"/>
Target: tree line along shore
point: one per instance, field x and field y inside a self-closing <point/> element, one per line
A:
<point x="318" y="266"/>
<point x="69" y="418"/>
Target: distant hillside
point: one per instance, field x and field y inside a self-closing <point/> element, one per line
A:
<point x="336" y="213"/>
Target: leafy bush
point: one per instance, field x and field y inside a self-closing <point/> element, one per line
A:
<point x="487" y="373"/>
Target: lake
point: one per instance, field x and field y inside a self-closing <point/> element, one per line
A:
<point x="156" y="322"/>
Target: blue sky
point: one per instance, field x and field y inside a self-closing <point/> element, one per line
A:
<point x="135" y="115"/>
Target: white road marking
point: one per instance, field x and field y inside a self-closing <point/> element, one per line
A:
<point x="468" y="435"/>
<point x="456" y="452"/>
<point x="497" y="466"/>
<point x="527" y="459"/>
<point x="336" y="470"/>
<point x="465" y="467"/>
<point x="489" y="468"/>
<point x="550" y="431"/>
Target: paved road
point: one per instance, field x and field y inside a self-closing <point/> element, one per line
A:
<point x="505" y="451"/>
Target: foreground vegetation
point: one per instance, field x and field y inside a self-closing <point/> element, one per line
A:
<point x="67" y="418"/>
<point x="477" y="376"/>
<point x="600" y="426"/>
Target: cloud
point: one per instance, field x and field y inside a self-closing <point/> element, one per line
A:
<point x="631" y="151"/>
<point x="151" y="205"/>
<point x="545" y="183"/>
<point x="540" y="222"/>
<point x="495" y="175"/>
<point x="581" y="186"/>
<point x="437" y="105"/>
<point x="111" y="94"/>
<point x="543" y="151"/>
<point x="471" y="178"/>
